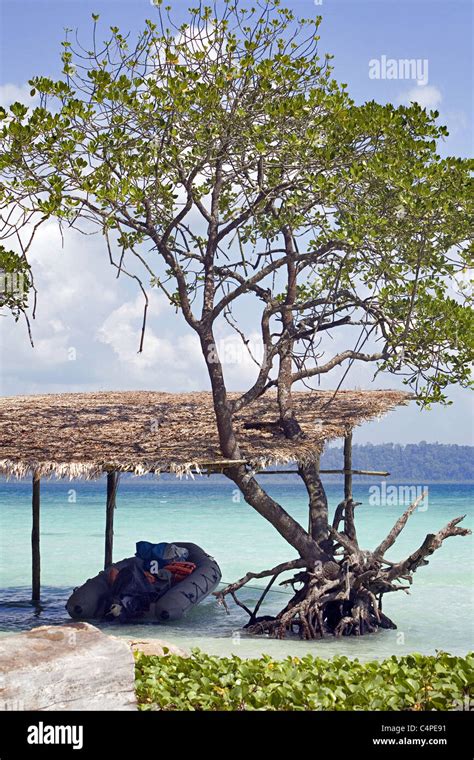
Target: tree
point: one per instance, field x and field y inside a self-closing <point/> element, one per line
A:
<point x="223" y="157"/>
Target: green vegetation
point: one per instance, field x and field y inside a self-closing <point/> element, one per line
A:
<point x="205" y="682"/>
<point x="14" y="281"/>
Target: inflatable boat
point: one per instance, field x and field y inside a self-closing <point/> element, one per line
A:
<point x="92" y="600"/>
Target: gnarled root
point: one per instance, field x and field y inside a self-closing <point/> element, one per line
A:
<point x="342" y="596"/>
<point x="319" y="610"/>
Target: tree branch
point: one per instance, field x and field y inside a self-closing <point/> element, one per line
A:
<point x="432" y="542"/>
<point x="398" y="527"/>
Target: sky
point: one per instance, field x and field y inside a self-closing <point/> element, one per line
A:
<point x="86" y="330"/>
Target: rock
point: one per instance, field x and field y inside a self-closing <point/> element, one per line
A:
<point x="68" y="667"/>
<point x="155" y="646"/>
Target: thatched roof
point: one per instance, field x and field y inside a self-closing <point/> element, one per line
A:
<point x="83" y="434"/>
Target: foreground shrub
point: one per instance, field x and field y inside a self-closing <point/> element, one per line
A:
<point x="205" y="682"/>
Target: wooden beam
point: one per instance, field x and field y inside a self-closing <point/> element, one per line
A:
<point x="217" y="467"/>
<point x="35" y="541"/>
<point x="379" y="473"/>
<point x="112" y="482"/>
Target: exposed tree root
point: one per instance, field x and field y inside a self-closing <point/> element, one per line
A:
<point x="342" y="596"/>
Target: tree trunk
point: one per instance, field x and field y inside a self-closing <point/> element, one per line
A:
<point x="286" y="525"/>
<point x="253" y="493"/>
<point x="338" y="588"/>
<point x="318" y="503"/>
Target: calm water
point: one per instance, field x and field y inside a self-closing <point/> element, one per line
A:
<point x="436" y="615"/>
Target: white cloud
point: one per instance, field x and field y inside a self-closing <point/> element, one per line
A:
<point x="10" y="93"/>
<point x="75" y="288"/>
<point x="427" y="96"/>
<point x="121" y="330"/>
<point x="167" y="362"/>
<point x="72" y="276"/>
<point x="456" y="121"/>
<point x="170" y="361"/>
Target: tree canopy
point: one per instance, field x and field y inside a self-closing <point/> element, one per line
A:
<point x="204" y="143"/>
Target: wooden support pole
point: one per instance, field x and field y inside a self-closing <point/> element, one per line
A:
<point x="35" y="541"/>
<point x="349" y="525"/>
<point x="112" y="481"/>
<point x="348" y="466"/>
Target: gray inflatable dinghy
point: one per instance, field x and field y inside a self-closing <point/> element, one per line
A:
<point x="91" y="601"/>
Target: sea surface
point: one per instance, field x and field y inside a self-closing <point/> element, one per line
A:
<point x="436" y="614"/>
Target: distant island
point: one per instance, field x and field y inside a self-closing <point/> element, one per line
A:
<point x="419" y="462"/>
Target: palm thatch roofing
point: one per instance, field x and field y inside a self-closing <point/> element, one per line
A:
<point x="84" y="434"/>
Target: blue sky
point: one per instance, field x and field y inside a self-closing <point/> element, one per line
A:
<point x="87" y="323"/>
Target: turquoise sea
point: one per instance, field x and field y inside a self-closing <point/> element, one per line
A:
<point x="437" y="614"/>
